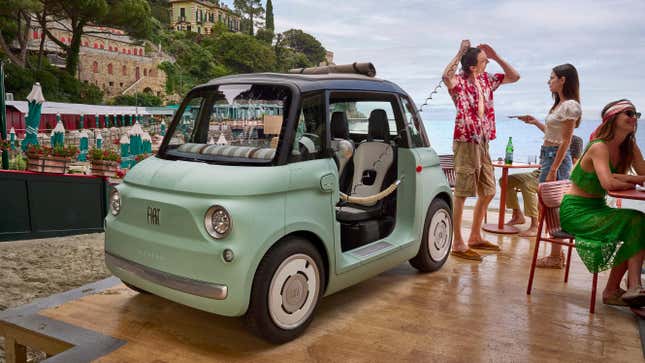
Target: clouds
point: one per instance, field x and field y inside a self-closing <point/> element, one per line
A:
<point x="410" y="43"/>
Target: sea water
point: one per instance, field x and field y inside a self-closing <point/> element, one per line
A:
<point x="527" y="140"/>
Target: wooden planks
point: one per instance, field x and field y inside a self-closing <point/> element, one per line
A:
<point x="466" y="312"/>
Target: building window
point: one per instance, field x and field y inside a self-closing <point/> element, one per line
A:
<point x="95" y="67"/>
<point x="124" y="70"/>
<point x="188" y="27"/>
<point x="123" y="50"/>
<point x="199" y="30"/>
<point x="145" y="72"/>
<point x="110" y="48"/>
<point x="102" y="46"/>
<point x="62" y="40"/>
<point x="136" y="74"/>
<point x="111" y="84"/>
<point x="35" y="35"/>
<point x="141" y="52"/>
<point x="110" y="70"/>
<point x="96" y="45"/>
<point x="129" y="51"/>
<point x="120" y="84"/>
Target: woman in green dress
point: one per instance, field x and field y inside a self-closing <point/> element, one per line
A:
<point x="609" y="237"/>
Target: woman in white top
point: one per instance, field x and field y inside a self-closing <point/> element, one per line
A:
<point x="558" y="127"/>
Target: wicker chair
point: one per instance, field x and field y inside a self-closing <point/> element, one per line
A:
<point x="550" y="196"/>
<point x="447" y="163"/>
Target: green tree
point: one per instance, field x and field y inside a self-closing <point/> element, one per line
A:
<point x="302" y="42"/>
<point x="15" y="23"/>
<point x="270" y="25"/>
<point x="138" y="99"/>
<point x="264" y="35"/>
<point x="252" y="10"/>
<point x="133" y="16"/>
<point x="241" y="53"/>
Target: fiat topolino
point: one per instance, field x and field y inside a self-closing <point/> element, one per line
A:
<point x="270" y="191"/>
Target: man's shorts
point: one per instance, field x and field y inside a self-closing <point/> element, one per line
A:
<point x="473" y="169"/>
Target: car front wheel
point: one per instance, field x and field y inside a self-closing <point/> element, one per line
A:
<point x="437" y="238"/>
<point x="286" y="290"/>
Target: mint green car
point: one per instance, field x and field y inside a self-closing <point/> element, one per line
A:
<point x="270" y="191"/>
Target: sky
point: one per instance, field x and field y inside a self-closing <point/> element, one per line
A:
<point x="410" y="42"/>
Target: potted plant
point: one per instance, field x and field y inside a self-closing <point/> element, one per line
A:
<point x="104" y="162"/>
<point x="50" y="160"/>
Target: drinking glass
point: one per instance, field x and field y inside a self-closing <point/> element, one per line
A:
<point x="532" y="159"/>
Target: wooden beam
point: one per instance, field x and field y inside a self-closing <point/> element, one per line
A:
<point x="14" y="351"/>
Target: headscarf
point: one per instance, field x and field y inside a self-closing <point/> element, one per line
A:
<point x="612" y="111"/>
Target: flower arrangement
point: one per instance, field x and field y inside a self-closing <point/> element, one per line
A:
<point x="50" y="160"/>
<point x="5" y="144"/>
<point x="104" y="162"/>
<point x="35" y="151"/>
<point x="100" y="154"/>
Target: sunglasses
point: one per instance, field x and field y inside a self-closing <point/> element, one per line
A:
<point x="632" y="113"/>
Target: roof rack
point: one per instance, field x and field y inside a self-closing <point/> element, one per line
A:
<point x="366" y="69"/>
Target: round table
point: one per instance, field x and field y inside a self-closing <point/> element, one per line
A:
<point x="500" y="227"/>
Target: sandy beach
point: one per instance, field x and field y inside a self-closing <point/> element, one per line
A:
<point x="38" y="268"/>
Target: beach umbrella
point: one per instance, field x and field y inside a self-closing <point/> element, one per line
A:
<point x="136" y="142"/>
<point x="99" y="141"/>
<point x="12" y="138"/>
<point x="83" y="145"/>
<point x="147" y="143"/>
<point x="162" y="128"/>
<point x="58" y="134"/>
<point x="125" y="152"/>
<point x="35" y="101"/>
<point x="106" y="117"/>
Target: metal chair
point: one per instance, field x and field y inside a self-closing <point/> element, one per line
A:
<point x="550" y="196"/>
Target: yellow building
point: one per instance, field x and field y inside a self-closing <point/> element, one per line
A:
<point x="200" y="16"/>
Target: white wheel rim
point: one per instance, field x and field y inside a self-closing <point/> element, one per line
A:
<point x="439" y="235"/>
<point x="294" y="291"/>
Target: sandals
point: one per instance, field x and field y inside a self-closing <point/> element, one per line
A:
<point x="634" y="297"/>
<point x="551" y="261"/>
<point x="468" y="254"/>
<point x="485" y="246"/>
<point x="615" y="299"/>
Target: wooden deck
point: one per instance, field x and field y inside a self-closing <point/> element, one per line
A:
<point x="466" y="312"/>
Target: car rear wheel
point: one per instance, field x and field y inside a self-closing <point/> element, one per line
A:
<point x="286" y="290"/>
<point x="437" y="238"/>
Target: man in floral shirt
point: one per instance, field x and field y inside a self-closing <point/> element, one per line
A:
<point x="472" y="92"/>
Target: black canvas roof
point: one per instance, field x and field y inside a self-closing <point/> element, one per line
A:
<point x="313" y="82"/>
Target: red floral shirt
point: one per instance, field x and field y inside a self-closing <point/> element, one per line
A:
<point x="466" y="98"/>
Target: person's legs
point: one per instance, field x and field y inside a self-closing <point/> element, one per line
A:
<point x="465" y="163"/>
<point x="613" y="282"/>
<point x="485" y="192"/>
<point x="458" y="242"/>
<point x="634" y="266"/>
<point x="529" y="194"/>
<point x="514" y="183"/>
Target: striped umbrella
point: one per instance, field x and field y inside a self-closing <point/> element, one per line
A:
<point x="35" y="101"/>
<point x="125" y="152"/>
<point x="58" y="134"/>
<point x="99" y="141"/>
<point x="83" y="146"/>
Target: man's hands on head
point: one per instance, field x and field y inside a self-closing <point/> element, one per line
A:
<point x="490" y="52"/>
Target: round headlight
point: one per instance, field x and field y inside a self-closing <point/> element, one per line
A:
<point x="217" y="221"/>
<point x="115" y="202"/>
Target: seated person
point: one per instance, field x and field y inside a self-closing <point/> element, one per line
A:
<point x="609" y="238"/>
<point x="527" y="184"/>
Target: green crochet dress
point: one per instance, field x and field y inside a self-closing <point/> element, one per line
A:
<point x="605" y="236"/>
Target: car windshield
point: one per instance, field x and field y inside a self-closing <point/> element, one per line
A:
<point x="229" y="123"/>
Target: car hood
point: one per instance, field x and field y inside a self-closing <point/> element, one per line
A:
<point x="208" y="179"/>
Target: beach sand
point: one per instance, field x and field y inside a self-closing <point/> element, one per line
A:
<point x="42" y="267"/>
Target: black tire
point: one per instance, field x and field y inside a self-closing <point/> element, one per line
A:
<point x="132" y="287"/>
<point x="259" y="318"/>
<point x="434" y="253"/>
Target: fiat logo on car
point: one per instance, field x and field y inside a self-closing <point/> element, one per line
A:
<point x="153" y="215"/>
